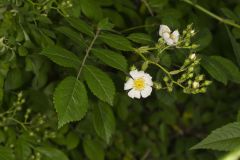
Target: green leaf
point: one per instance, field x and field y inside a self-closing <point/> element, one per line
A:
<point x="80" y="26"/>
<point x="14" y="80"/>
<point x="52" y="153"/>
<point x="111" y="58"/>
<point x="104" y="24"/>
<point x="74" y="36"/>
<point x="141" y="38"/>
<point x="235" y="45"/>
<point x="72" y="140"/>
<point x="6" y="153"/>
<point x="116" y="41"/>
<point x="70" y="101"/>
<point x="104" y="121"/>
<point x="91" y="9"/>
<point x="93" y="150"/>
<point x="225" y="138"/>
<point x="61" y="56"/>
<point x="23" y="149"/>
<point x="99" y="83"/>
<point x="215" y="69"/>
<point x="230" y="69"/>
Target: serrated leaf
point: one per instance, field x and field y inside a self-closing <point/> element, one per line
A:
<point x="6" y="153"/>
<point x="80" y="26"/>
<point x="230" y="69"/>
<point x="99" y="83"/>
<point x="93" y="150"/>
<point x="225" y="138"/>
<point x="116" y="41"/>
<point x="52" y="153"/>
<point x="91" y="9"/>
<point x="235" y="45"/>
<point x="74" y="36"/>
<point x="61" y="56"/>
<point x="215" y="69"/>
<point x="111" y="58"/>
<point x="70" y="101"/>
<point x="104" y="121"/>
<point x="141" y="38"/>
<point x="104" y="24"/>
<point x="22" y="149"/>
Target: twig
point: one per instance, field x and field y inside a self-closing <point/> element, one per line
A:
<point x="148" y="7"/>
<point x="87" y="52"/>
<point x="223" y="20"/>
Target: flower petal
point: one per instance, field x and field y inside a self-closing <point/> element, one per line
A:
<point x="163" y="29"/>
<point x="175" y="36"/>
<point x="137" y="74"/>
<point x="134" y="73"/>
<point x="129" y="84"/>
<point x="169" y="41"/>
<point x="134" y="93"/>
<point x="146" y="92"/>
<point x="148" y="79"/>
<point x="166" y="35"/>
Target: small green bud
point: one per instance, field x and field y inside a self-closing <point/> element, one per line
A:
<point x="207" y="83"/>
<point x="203" y="90"/>
<point x="194" y="46"/>
<point x="133" y="68"/>
<point x="190" y="69"/>
<point x="190" y="75"/>
<point x="11" y="146"/>
<point x="165" y="79"/>
<point x="190" y="82"/>
<point x="186" y="62"/>
<point x="144" y="66"/>
<point x="31" y="134"/>
<point x="200" y="77"/>
<point x="157" y="85"/>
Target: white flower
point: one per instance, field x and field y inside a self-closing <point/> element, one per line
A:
<point x="170" y="38"/>
<point x="140" y="84"/>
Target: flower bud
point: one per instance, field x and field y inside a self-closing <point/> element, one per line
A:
<point x="165" y="79"/>
<point x="133" y="68"/>
<point x="206" y="83"/>
<point x="195" y="85"/>
<point x="192" y="56"/>
<point x="144" y="66"/>
<point x="157" y="85"/>
<point x="190" y="69"/>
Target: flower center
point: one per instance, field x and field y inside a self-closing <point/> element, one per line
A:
<point x="139" y="84"/>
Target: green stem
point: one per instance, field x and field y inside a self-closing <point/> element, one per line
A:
<point x="138" y="27"/>
<point x="223" y="20"/>
<point x="87" y="52"/>
<point x="24" y="127"/>
<point x="148" y="7"/>
<point x="162" y="68"/>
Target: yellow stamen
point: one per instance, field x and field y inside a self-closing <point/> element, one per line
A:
<point x="139" y="84"/>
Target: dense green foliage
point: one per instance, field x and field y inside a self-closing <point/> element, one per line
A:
<point x="63" y="65"/>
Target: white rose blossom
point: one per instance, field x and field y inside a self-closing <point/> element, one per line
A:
<point x="140" y="84"/>
<point x="170" y="38"/>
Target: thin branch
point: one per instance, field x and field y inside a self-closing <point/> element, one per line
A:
<point x="148" y="7"/>
<point x="87" y="52"/>
<point x="223" y="20"/>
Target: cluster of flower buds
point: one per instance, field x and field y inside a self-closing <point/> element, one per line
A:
<point x="186" y="37"/>
<point x="66" y="4"/>
<point x="195" y="83"/>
